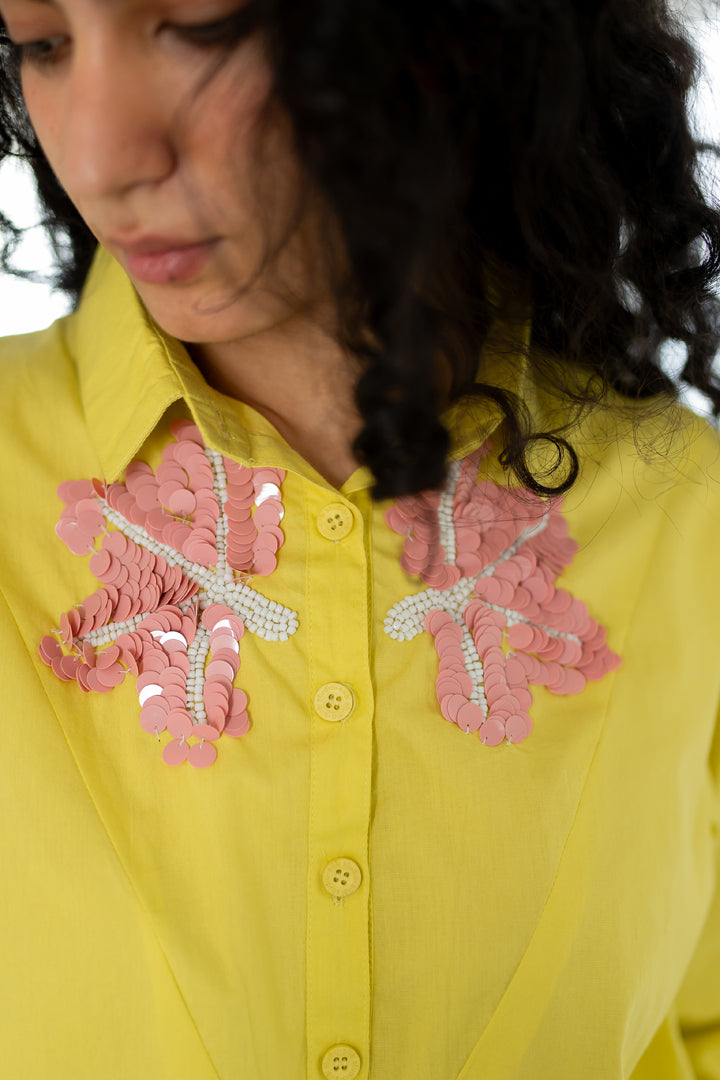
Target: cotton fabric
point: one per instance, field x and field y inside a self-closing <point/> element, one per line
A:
<point x="547" y="909"/>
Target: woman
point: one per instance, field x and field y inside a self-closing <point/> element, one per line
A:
<point x="379" y="512"/>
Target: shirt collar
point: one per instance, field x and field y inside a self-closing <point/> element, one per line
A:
<point x="125" y="373"/>
<point x="130" y="373"/>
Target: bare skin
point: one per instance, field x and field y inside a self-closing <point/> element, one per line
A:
<point x="308" y="398"/>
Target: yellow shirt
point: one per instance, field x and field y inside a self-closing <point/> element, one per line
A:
<point x="461" y="820"/>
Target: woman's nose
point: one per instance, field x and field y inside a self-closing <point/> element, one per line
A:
<point x="117" y="129"/>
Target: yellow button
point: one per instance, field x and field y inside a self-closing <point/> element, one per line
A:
<point x="335" y="521"/>
<point x="341" y="1061"/>
<point x="342" y="877"/>
<point x="334" y="701"/>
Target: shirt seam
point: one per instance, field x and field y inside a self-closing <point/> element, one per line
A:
<point x="465" y="1073"/>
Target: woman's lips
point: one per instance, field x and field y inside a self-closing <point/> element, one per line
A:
<point x="167" y="265"/>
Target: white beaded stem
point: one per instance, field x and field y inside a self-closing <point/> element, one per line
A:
<point x="266" y="618"/>
<point x="197" y="655"/>
<point x="220" y="487"/>
<point x="474" y="668"/>
<point x="445" y="512"/>
<point x="105" y="634"/>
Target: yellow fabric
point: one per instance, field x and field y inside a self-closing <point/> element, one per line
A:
<point x="385" y="888"/>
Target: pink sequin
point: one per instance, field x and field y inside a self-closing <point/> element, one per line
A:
<point x="155" y="593"/>
<point x="553" y="640"/>
<point x="248" y="548"/>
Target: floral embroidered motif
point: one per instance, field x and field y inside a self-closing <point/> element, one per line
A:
<point x="174" y="572"/>
<point x="491" y="560"/>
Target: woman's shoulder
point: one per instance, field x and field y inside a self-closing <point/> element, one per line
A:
<point x="41" y="407"/>
<point x="659" y="442"/>
<point x="674" y="442"/>
<point x="39" y="359"/>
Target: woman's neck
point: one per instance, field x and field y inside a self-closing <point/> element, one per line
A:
<point x="298" y="377"/>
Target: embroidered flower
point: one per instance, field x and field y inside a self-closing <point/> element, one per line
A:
<point x="491" y="560"/>
<point x="174" y="601"/>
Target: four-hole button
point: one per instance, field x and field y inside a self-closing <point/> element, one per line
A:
<point x="342" y="877"/>
<point x="335" y="521"/>
<point x="341" y="1061"/>
<point x="334" y="701"/>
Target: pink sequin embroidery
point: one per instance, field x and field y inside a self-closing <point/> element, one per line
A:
<point x="175" y="599"/>
<point x="491" y="561"/>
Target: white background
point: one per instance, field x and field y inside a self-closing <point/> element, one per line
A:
<point x="25" y="306"/>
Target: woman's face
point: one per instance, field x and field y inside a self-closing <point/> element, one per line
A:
<point x="151" y="129"/>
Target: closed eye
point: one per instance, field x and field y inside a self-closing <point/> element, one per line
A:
<point x="40" y="53"/>
<point x="222" y="32"/>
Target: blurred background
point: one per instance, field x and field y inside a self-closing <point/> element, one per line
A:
<point x="28" y="306"/>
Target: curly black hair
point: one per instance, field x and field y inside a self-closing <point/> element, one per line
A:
<point x="541" y="143"/>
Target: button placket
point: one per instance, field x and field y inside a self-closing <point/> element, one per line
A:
<point x="340" y="790"/>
